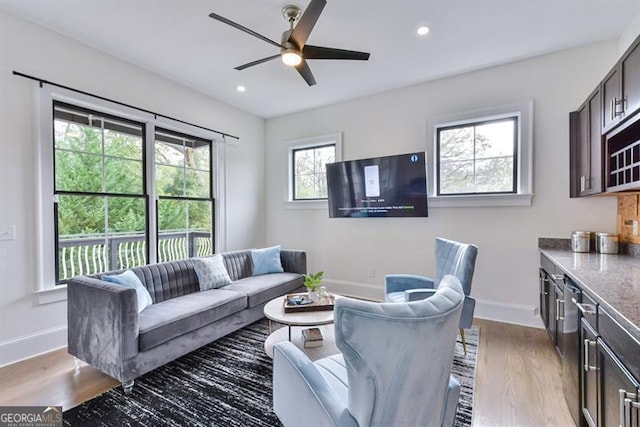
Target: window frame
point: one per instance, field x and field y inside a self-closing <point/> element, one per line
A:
<point x="523" y="167"/>
<point x="46" y="289"/>
<point x="302" y="144"/>
<point x="475" y="124"/>
<point x="293" y="175"/>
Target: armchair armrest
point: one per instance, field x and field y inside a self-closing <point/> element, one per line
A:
<point x="403" y="282"/>
<point x="102" y="322"/>
<point x="418" y="294"/>
<point x="301" y="395"/>
<point x="294" y="261"/>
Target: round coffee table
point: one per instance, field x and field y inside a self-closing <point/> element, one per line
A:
<point x="294" y="323"/>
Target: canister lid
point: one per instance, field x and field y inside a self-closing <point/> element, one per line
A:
<point x="582" y="233"/>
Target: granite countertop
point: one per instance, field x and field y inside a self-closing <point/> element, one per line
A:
<point x="612" y="280"/>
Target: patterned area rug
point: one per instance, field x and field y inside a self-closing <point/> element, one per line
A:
<point x="226" y="383"/>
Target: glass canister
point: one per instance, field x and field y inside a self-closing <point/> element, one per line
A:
<point x="581" y="241"/>
<point x="323" y="295"/>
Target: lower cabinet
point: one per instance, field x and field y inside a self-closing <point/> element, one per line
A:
<point x="609" y="391"/>
<point x="619" y="403"/>
<point x="589" y="377"/>
<point x="609" y="356"/>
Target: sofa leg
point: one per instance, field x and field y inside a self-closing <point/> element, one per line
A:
<point x="77" y="363"/>
<point x="128" y="387"/>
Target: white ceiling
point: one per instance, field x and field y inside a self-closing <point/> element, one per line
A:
<point x="177" y="39"/>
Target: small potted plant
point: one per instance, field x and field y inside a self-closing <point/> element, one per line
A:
<point x="312" y="283"/>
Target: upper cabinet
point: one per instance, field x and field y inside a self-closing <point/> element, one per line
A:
<point x="586" y="148"/>
<point x="605" y="132"/>
<point x="621" y="89"/>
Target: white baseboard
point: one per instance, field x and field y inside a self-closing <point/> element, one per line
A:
<point x="25" y="347"/>
<point x="517" y="314"/>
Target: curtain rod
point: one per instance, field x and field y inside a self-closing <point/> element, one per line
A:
<point x="41" y="81"/>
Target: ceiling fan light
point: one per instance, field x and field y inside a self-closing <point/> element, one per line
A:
<point x="291" y="58"/>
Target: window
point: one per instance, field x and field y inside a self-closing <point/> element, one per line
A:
<point x="309" y="174"/>
<point x="99" y="191"/>
<point x="478" y="157"/>
<point x="307" y="166"/>
<point x="120" y="188"/>
<point x="483" y="158"/>
<point x="185" y="203"/>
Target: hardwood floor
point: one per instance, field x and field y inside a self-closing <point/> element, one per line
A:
<point x="518" y="380"/>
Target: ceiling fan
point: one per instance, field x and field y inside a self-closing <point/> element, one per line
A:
<point x="293" y="48"/>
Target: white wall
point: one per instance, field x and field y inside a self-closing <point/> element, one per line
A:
<point x="505" y="283"/>
<point x="629" y="34"/>
<point x="27" y="328"/>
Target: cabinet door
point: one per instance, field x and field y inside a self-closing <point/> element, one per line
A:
<point x="578" y="150"/>
<point x="610" y="96"/>
<point x="618" y="390"/>
<point x="595" y="147"/>
<point x="586" y="148"/>
<point x="559" y="319"/>
<point x="544" y="298"/>
<point x="589" y="377"/>
<point x="551" y="330"/>
<point x="630" y="68"/>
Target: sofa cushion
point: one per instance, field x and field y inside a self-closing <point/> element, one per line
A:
<point x="261" y="289"/>
<point x="211" y="272"/>
<point x="164" y="321"/>
<point x="266" y="261"/>
<point x="169" y="279"/>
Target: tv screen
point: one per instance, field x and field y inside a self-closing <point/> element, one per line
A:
<point x="391" y="186"/>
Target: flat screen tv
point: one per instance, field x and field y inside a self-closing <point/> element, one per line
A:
<point x="391" y="186"/>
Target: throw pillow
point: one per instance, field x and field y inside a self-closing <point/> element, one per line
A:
<point x="211" y="272"/>
<point x="266" y="261"/>
<point x="130" y="280"/>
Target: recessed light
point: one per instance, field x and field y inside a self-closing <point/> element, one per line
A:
<point x="422" y="31"/>
<point x="241" y="88"/>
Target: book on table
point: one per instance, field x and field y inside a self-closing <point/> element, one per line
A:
<point x="312" y="337"/>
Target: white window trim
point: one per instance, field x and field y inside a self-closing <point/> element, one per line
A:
<point x="46" y="289"/>
<point x="524" y="186"/>
<point x="296" y="144"/>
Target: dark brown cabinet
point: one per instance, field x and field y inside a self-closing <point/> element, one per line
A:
<point x="605" y="132"/>
<point x="621" y="89"/>
<point x="552" y="301"/>
<point x="608" y="354"/>
<point x="586" y="148"/>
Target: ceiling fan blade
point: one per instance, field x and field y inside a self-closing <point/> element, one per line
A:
<point x="259" y="61"/>
<point x="319" y="52"/>
<point x="306" y="23"/>
<point x="305" y="72"/>
<point x="241" y="28"/>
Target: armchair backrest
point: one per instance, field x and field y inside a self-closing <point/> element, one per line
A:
<point x="457" y="259"/>
<point x="398" y="356"/>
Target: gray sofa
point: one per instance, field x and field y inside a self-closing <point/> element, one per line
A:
<point x="106" y="331"/>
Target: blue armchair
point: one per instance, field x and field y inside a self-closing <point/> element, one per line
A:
<point x="394" y="368"/>
<point x="457" y="259"/>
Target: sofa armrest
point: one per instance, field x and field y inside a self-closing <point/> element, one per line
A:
<point x="301" y="395"/>
<point x="294" y="261"/>
<point x="102" y="322"/>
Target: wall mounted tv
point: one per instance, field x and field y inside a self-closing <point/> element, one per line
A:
<point x="391" y="186"/>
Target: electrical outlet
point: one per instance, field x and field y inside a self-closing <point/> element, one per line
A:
<point x="372" y="272"/>
<point x="635" y="227"/>
<point x="536" y="311"/>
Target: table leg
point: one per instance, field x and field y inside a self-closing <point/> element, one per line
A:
<point x="289" y="332"/>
